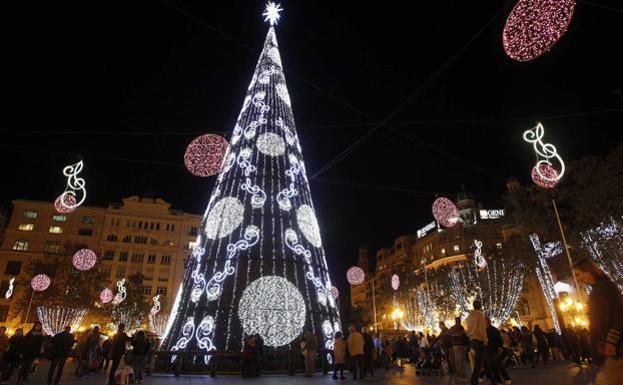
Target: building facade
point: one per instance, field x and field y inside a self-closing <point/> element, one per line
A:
<point x="137" y="235"/>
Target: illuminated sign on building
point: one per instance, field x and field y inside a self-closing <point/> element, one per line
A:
<point x="424" y="230"/>
<point x="491" y="214"/>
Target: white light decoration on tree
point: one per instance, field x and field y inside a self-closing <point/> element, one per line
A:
<point x="355" y="275"/>
<point x="40" y="282"/>
<point x="604" y="243"/>
<point x="544" y="173"/>
<point x="84" y="259"/>
<point x="106" y="295"/>
<point x="273" y="308"/>
<point x="546" y="280"/>
<point x="395" y="282"/>
<point x="55" y="319"/>
<point x="75" y="192"/>
<point x="259" y="222"/>
<point x="552" y="249"/>
<point x="121" y="292"/>
<point x="204" y="155"/>
<point x="9" y="291"/>
<point x="158" y="324"/>
<point x="127" y="315"/>
<point x="479" y="260"/>
<point x="445" y="212"/>
<point x="534" y="26"/>
<point x="156" y="308"/>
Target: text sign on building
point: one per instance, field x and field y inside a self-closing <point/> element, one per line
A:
<point x="424" y="230"/>
<point x="492" y="214"/>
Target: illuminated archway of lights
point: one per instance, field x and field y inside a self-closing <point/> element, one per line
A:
<point x="544" y="173"/>
<point x="84" y="259"/>
<point x="121" y="292"/>
<point x="546" y="280"/>
<point x="9" y="291"/>
<point x="75" y="192"/>
<point x="40" y="282"/>
<point x="534" y="26"/>
<point x="106" y="295"/>
<point x="55" y="319"/>
<point x="604" y="243"/>
<point x="395" y="282"/>
<point x="445" y="212"/>
<point x="204" y="155"/>
<point x="355" y="275"/>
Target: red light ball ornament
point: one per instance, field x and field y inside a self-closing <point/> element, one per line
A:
<point x="68" y="204"/>
<point x="534" y="26"/>
<point x="445" y="212"/>
<point x="204" y="155"/>
<point x="40" y="282"/>
<point x="355" y="276"/>
<point x="84" y="259"/>
<point x="335" y="292"/>
<point x="544" y="175"/>
<point x="106" y="295"/>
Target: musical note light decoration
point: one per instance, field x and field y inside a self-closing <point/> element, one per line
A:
<point x="121" y="292"/>
<point x="544" y="174"/>
<point x="75" y="192"/>
<point x="9" y="291"/>
<point x="479" y="260"/>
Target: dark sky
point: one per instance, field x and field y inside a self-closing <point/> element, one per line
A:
<point x="128" y="84"/>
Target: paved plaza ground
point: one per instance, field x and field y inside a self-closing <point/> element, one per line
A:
<point x="565" y="374"/>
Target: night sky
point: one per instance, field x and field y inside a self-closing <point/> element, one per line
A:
<point x="127" y="85"/>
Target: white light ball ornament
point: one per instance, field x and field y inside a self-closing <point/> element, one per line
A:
<point x="40" y="282"/>
<point x="106" y="295"/>
<point x="355" y="275"/>
<point x="395" y="282"/>
<point x="445" y="212"/>
<point x="84" y="259"/>
<point x="204" y="155"/>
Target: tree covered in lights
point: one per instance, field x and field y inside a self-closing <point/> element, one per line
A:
<point x="133" y="310"/>
<point x="258" y="266"/>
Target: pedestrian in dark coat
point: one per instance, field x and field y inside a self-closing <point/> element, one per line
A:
<point x="31" y="351"/>
<point x="61" y="346"/>
<point x="117" y="351"/>
<point x="12" y="357"/>
<point x="140" y="348"/>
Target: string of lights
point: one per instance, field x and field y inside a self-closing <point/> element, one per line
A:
<point x="55" y="319"/>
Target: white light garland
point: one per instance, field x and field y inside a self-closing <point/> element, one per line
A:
<point x="604" y="243"/>
<point x="479" y="260"/>
<point x="544" y="173"/>
<point x="75" y="192"/>
<point x="546" y="281"/>
<point x="9" y="291"/>
<point x="55" y="319"/>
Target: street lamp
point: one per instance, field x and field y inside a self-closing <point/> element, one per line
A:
<point x="397" y="315"/>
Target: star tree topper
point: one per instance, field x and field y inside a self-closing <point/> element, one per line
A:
<point x="271" y="14"/>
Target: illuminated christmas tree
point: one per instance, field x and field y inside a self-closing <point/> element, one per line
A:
<point x="258" y="266"/>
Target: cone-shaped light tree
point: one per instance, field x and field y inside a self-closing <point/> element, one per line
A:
<point x="258" y="266"/>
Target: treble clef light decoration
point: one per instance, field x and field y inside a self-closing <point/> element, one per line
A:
<point x="156" y="308"/>
<point x="9" y="292"/>
<point x="480" y="261"/>
<point x="544" y="173"/>
<point x="75" y="192"/>
<point x="121" y="293"/>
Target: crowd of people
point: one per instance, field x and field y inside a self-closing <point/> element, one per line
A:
<point x="91" y="351"/>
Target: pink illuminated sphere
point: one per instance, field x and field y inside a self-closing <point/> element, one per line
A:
<point x="67" y="206"/>
<point x="534" y="26"/>
<point x="547" y="171"/>
<point x="395" y="282"/>
<point x="40" y="282"/>
<point x="355" y="275"/>
<point x="335" y="292"/>
<point x="84" y="259"/>
<point x="106" y="295"/>
<point x="445" y="212"/>
<point x="204" y="155"/>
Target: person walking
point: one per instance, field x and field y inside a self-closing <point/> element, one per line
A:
<point x="106" y="351"/>
<point x="339" y="355"/>
<point x="61" y="346"/>
<point x="12" y="356"/>
<point x="459" y="338"/>
<point x="311" y="346"/>
<point x="541" y="344"/>
<point x="477" y="332"/>
<point x="555" y="345"/>
<point x="117" y="351"/>
<point x="93" y="350"/>
<point x="248" y="351"/>
<point x="355" y="344"/>
<point x="30" y="351"/>
<point x="527" y="344"/>
<point x="495" y="355"/>
<point x="445" y="340"/>
<point x="605" y="312"/>
<point x="140" y="348"/>
<point x="368" y="353"/>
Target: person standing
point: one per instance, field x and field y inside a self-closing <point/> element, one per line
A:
<point x="12" y="356"/>
<point x="61" y="346"/>
<point x="605" y="312"/>
<point x="541" y="344"/>
<point x="477" y="331"/>
<point x="339" y="355"/>
<point x="495" y="355"/>
<point x="355" y="344"/>
<point x="93" y="350"/>
<point x="368" y="353"/>
<point x="527" y="344"/>
<point x="459" y="337"/>
<point x="4" y="342"/>
<point x="248" y="351"/>
<point x="311" y="346"/>
<point x="445" y="339"/>
<point x="117" y="351"/>
<point x="30" y="351"/>
<point x="140" y="348"/>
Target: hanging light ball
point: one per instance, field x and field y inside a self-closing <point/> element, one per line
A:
<point x="40" y="282"/>
<point x="395" y="282"/>
<point x="534" y="26"/>
<point x="204" y="155"/>
<point x="84" y="259"/>
<point x="355" y="275"/>
<point x="335" y="292"/>
<point x="445" y="212"/>
<point x="545" y="175"/>
<point x="106" y="295"/>
<point x="68" y="204"/>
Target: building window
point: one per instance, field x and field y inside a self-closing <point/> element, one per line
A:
<point x="120" y="272"/>
<point x="157" y="226"/>
<point x="163" y="275"/>
<point x="146" y="290"/>
<point x="30" y="214"/>
<point x="165" y="260"/>
<point x="12" y="268"/>
<point x="123" y="256"/>
<point x="59" y="218"/>
<point x="87" y="220"/>
<point x="149" y="274"/>
<point x="455" y="248"/>
<point x="443" y="251"/>
<point x="173" y="227"/>
<point x="20" y="245"/>
<point x="194" y="231"/>
<point x="161" y="290"/>
<point x="105" y="270"/>
<point x="127" y="239"/>
<point x="52" y="246"/>
<point x="86" y="232"/>
<point x="26" y="227"/>
<point x="153" y="241"/>
<point x="109" y="255"/>
<point x="112" y="238"/>
<point x="138" y="258"/>
<point x="169" y="243"/>
<point x="141" y="240"/>
<point x="56" y="230"/>
<point x="151" y="226"/>
<point x="151" y="258"/>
